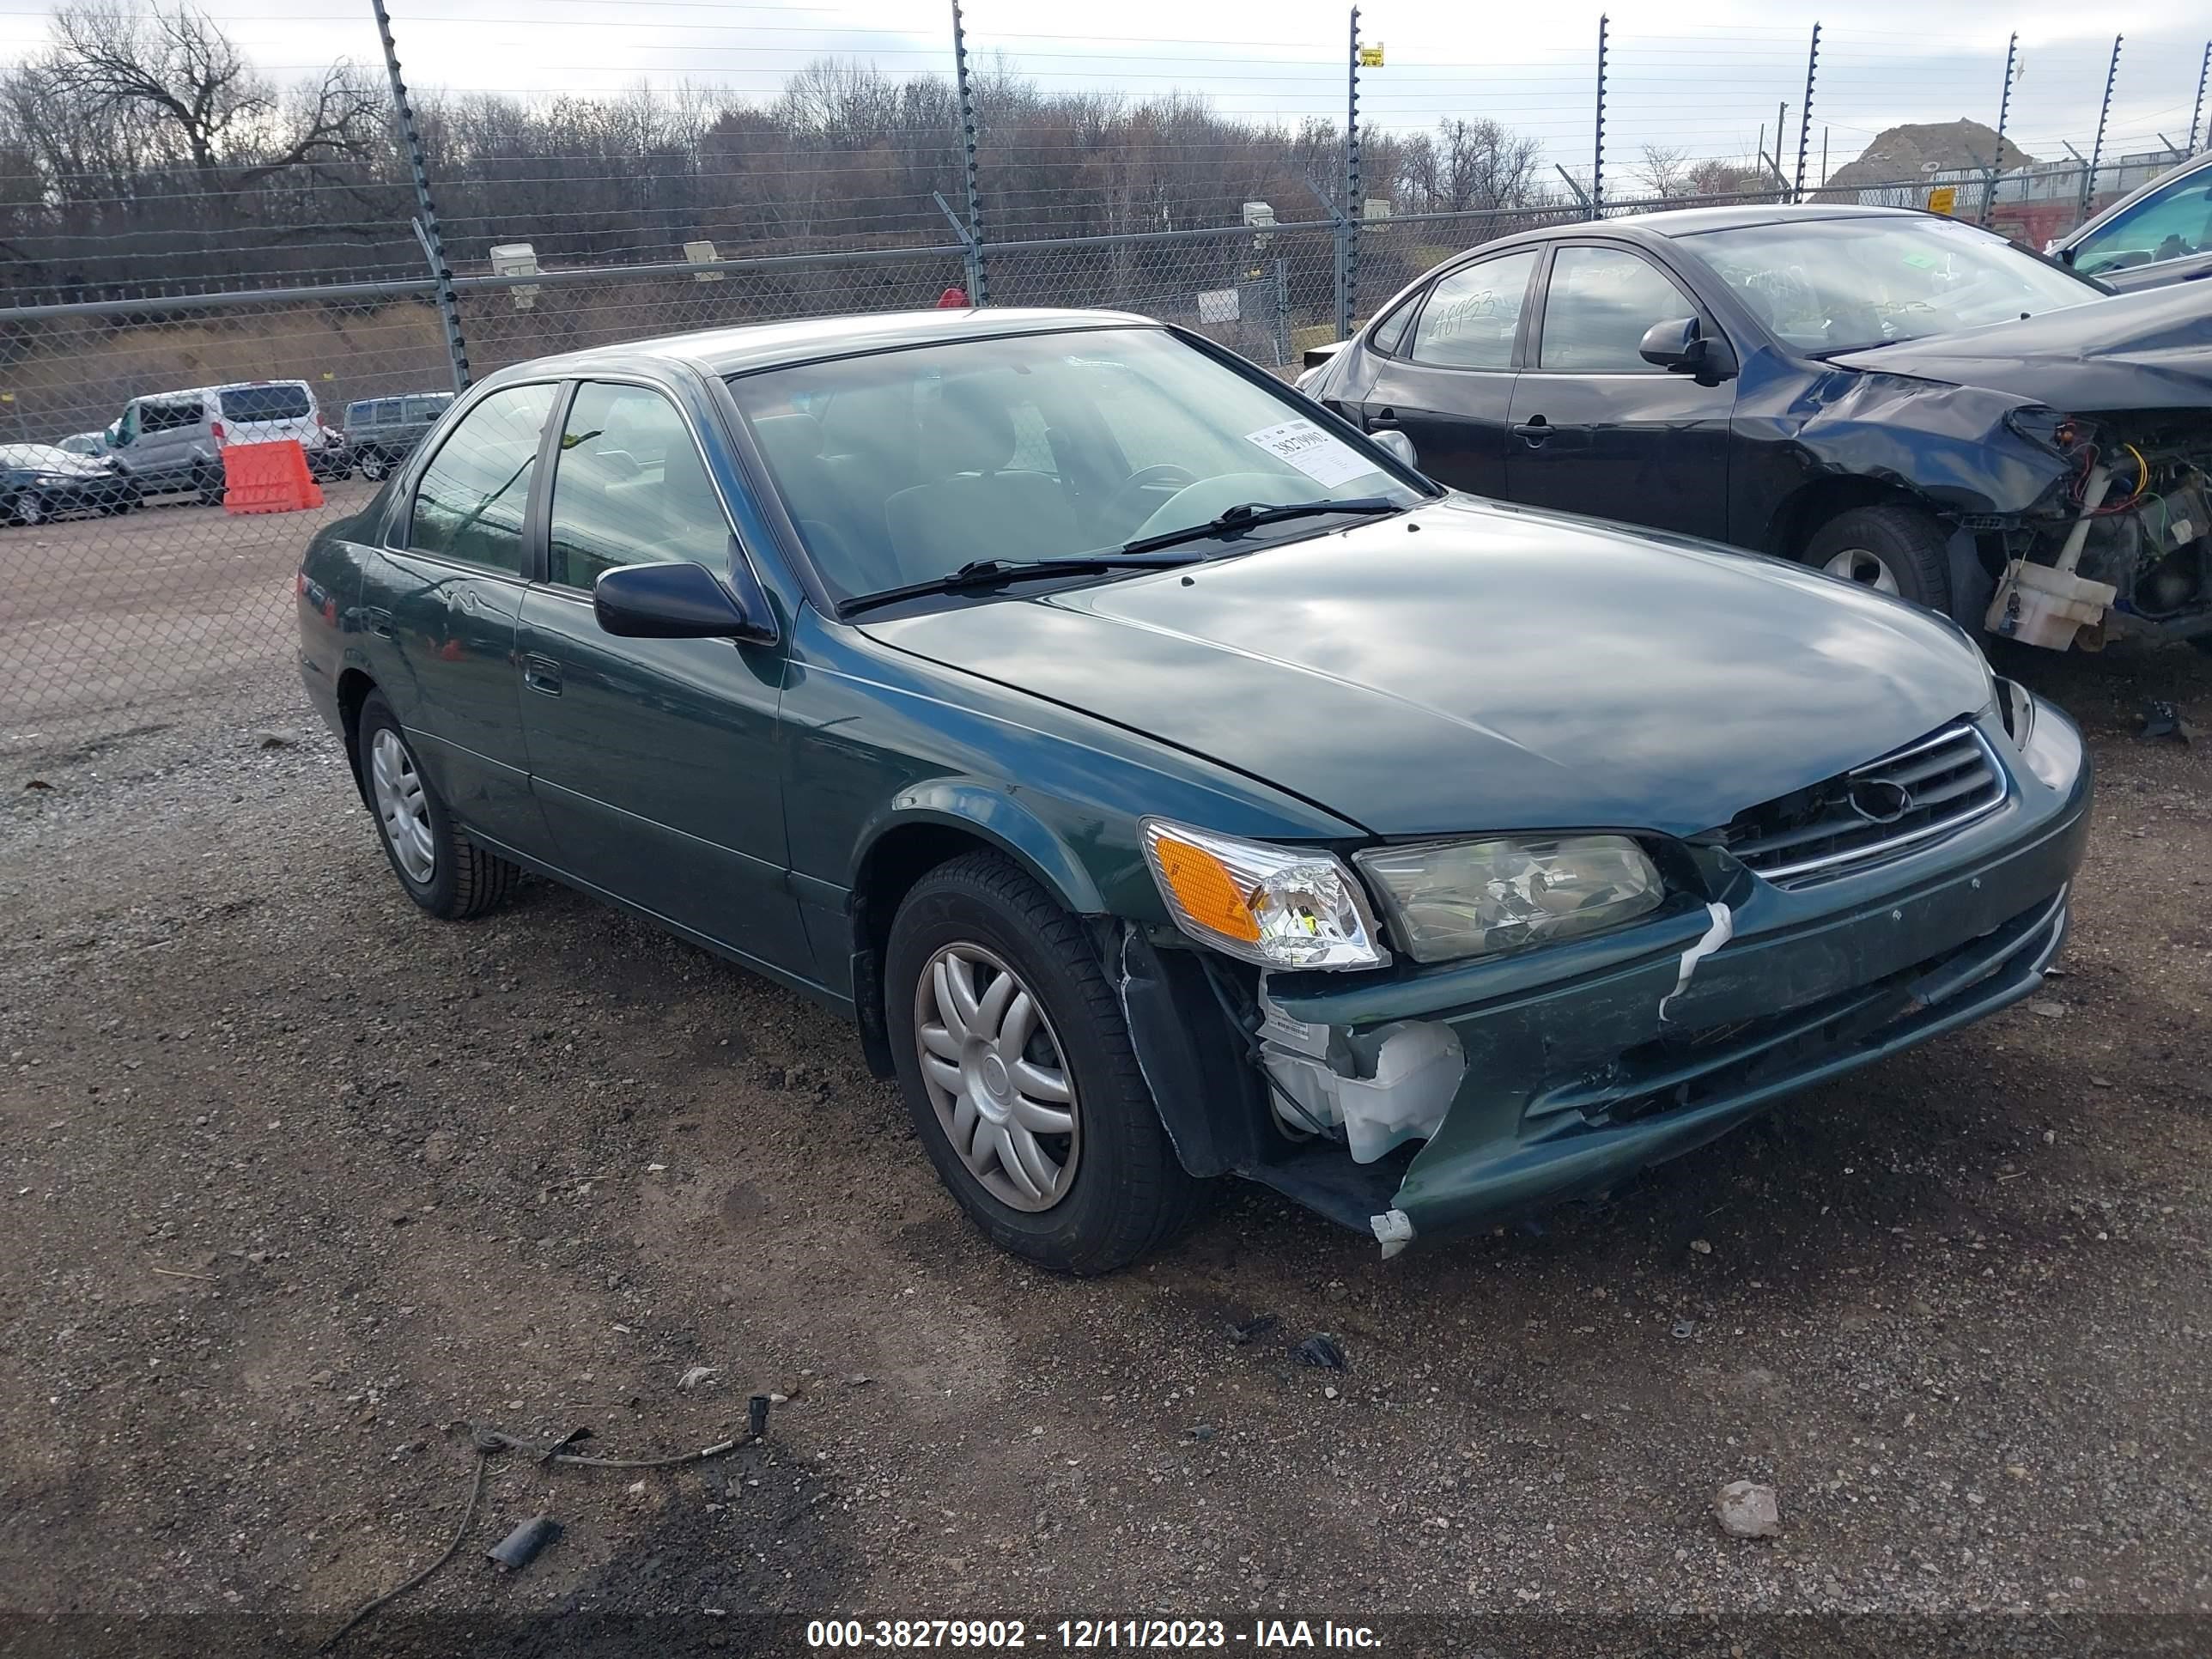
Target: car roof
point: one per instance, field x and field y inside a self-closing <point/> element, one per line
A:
<point x="766" y="345"/>
<point x="1689" y="221"/>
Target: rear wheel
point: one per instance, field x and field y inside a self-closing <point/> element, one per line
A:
<point x="206" y="485"/>
<point x="1018" y="1073"/>
<point x="444" y="872"/>
<point x="1892" y="548"/>
<point x="374" y="467"/>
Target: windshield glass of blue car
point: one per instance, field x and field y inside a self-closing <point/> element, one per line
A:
<point x="1830" y="285"/>
<point x="906" y="466"/>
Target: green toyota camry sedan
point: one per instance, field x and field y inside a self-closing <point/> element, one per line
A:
<point x="1167" y="779"/>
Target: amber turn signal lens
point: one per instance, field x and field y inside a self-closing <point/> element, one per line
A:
<point x="1202" y="885"/>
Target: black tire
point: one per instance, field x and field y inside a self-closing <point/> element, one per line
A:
<point x="29" y="508"/>
<point x="374" y="467"/>
<point x="1127" y="1193"/>
<point x="2202" y="643"/>
<point x="464" y="879"/>
<point x="208" y="485"/>
<point x="1908" y="544"/>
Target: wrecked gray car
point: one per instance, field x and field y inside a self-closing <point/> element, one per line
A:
<point x="1893" y="396"/>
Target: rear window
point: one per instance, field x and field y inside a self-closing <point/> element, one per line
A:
<point x="426" y="409"/>
<point x="266" y="403"/>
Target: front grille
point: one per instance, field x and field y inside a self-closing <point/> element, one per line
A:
<point x="1881" y="811"/>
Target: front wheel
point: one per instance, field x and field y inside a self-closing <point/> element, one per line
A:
<point x="29" y="508"/>
<point x="444" y="872"/>
<point x="1017" y="1070"/>
<point x="1892" y="548"/>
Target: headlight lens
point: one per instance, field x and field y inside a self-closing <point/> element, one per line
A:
<point x="1448" y="900"/>
<point x="1281" y="907"/>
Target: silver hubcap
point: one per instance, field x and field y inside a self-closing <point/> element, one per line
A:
<point x="997" y="1078"/>
<point x="1855" y="564"/>
<point x="401" y="806"/>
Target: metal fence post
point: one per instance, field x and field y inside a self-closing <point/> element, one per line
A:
<point x="1282" y="312"/>
<point x="1347" y="237"/>
<point x="979" y="281"/>
<point x="2104" y="111"/>
<point x="2004" y="112"/>
<point x="1596" y="204"/>
<point x="2197" y="113"/>
<point x="1805" y="116"/>
<point x="426" y="211"/>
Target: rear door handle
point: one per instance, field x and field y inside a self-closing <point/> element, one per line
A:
<point x="1532" y="432"/>
<point x="378" y="621"/>
<point x="542" y="674"/>
<point x="1384" y="420"/>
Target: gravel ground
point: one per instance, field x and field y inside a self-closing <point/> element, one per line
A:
<point x="295" y="1178"/>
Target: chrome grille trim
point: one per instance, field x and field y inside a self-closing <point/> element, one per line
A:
<point x="1979" y="789"/>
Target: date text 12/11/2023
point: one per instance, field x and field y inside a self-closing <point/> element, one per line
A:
<point x="997" y="1635"/>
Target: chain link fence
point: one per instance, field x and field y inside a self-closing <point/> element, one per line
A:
<point x="107" y="600"/>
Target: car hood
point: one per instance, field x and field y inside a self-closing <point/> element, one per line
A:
<point x="2148" y="349"/>
<point x="1473" y="666"/>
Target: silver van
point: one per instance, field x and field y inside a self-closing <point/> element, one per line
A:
<point x="174" y="441"/>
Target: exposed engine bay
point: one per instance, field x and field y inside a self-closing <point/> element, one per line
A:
<point x="2124" y="543"/>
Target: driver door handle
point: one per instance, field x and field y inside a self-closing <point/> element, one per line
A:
<point x="542" y="674"/>
<point x="1532" y="431"/>
<point x="1384" y="420"/>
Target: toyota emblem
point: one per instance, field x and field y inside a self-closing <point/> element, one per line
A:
<point x="1878" y="800"/>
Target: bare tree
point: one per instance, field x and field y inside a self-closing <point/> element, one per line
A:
<point x="1665" y="170"/>
<point x="178" y="68"/>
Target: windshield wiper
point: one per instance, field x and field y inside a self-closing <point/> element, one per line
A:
<point x="1247" y="516"/>
<point x="989" y="573"/>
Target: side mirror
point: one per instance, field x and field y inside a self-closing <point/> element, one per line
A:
<point x="2066" y="256"/>
<point x="1680" y="346"/>
<point x="1399" y="445"/>
<point x="680" y="601"/>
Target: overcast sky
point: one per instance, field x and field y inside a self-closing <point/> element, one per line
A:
<point x="1704" y="86"/>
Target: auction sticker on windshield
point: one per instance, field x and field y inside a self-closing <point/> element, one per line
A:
<point x="1325" y="459"/>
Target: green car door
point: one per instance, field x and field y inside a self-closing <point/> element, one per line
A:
<point x="653" y="761"/>
<point x="441" y="604"/>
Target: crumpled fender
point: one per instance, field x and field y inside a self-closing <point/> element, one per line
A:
<point x="1952" y="445"/>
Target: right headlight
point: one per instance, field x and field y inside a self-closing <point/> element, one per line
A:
<point x="1450" y="900"/>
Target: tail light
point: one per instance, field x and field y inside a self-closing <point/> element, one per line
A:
<point x="215" y="430"/>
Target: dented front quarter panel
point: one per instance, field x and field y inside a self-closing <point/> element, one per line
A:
<point x="1954" y="445"/>
<point x="1832" y="976"/>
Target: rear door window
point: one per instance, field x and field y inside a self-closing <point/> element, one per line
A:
<point x="1472" y="316"/>
<point x="266" y="403"/>
<point x="471" y="503"/>
<point x="419" y="409"/>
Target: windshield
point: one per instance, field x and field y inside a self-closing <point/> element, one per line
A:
<point x="1824" y="285"/>
<point x="904" y="466"/>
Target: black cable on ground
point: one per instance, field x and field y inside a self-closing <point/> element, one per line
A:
<point x="488" y="1442"/>
<point x="468" y="1515"/>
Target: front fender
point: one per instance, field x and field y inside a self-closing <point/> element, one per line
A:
<point x="993" y="811"/>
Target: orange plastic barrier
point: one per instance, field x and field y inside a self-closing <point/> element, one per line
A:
<point x="268" y="478"/>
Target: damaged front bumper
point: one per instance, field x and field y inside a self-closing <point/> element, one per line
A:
<point x="1582" y="1064"/>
